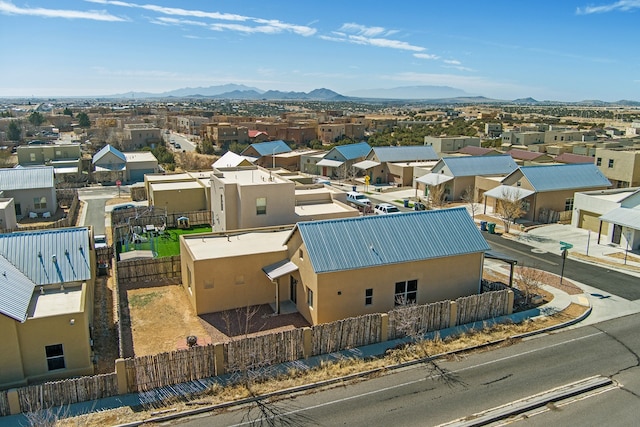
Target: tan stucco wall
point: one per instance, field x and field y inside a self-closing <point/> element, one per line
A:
<point x="179" y="200"/>
<point x="11" y="372"/>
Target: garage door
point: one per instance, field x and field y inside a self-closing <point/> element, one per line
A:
<point x="138" y="174"/>
<point x="590" y="221"/>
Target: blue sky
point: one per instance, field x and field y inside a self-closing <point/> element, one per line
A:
<point x="566" y="50"/>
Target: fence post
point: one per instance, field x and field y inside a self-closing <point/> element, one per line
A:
<point x="511" y="296"/>
<point x="453" y="313"/>
<point x="218" y="352"/>
<point x="306" y="341"/>
<point x="384" y="327"/>
<point x="14" y="401"/>
<point x="121" y="376"/>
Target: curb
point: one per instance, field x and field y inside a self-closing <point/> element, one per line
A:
<point x="305" y="387"/>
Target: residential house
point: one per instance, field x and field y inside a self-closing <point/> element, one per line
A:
<point x="8" y="220"/>
<point x="224" y="134"/>
<point x="594" y="209"/>
<point x="66" y="159"/>
<point x="573" y="158"/>
<point x="265" y="153"/>
<point x="231" y="160"/>
<point x="32" y="189"/>
<point x="472" y="150"/>
<point x="547" y="191"/>
<point x="139" y="135"/>
<point x="492" y="130"/>
<point x="525" y="157"/>
<point x="46" y="305"/>
<point x="461" y="173"/>
<point x="524" y="138"/>
<point x="621" y="166"/>
<point x="179" y="192"/>
<point x="111" y="165"/>
<point x="338" y="161"/>
<point x="450" y="144"/>
<point x="251" y="197"/>
<point x="257" y="136"/>
<point x="376" y="268"/>
<point x="394" y="165"/>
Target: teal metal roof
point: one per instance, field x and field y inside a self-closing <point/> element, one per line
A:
<point x="407" y="153"/>
<point x="49" y="256"/>
<point x="270" y="148"/>
<point x="26" y="178"/>
<point x="369" y="241"/>
<point x="353" y="151"/>
<point x="15" y="291"/>
<point x="480" y="165"/>
<point x="564" y="177"/>
<point x="108" y="149"/>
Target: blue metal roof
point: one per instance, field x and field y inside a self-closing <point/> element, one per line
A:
<point x="407" y="153"/>
<point x="49" y="256"/>
<point x="369" y="241"/>
<point x="26" y="178"/>
<point x="564" y="177"/>
<point x="479" y="165"/>
<point x="108" y="149"/>
<point x="353" y="151"/>
<point x="15" y="291"/>
<point x="269" y="148"/>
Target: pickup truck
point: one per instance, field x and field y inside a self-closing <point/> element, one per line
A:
<point x="358" y="199"/>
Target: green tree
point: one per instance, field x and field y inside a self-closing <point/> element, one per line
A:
<point x="13" y="131"/>
<point x="36" y="119"/>
<point x="67" y="112"/>
<point x="206" y="147"/>
<point x="83" y="120"/>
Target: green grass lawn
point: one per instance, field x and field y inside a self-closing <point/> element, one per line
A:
<point x="167" y="244"/>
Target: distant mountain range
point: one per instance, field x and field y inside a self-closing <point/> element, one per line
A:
<point x="425" y="93"/>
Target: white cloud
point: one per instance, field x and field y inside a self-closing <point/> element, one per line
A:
<point x="265" y="26"/>
<point x="174" y="21"/>
<point x="362" y="30"/>
<point x="621" y="5"/>
<point x="8" y="8"/>
<point x="426" y="56"/>
<point x="451" y="62"/>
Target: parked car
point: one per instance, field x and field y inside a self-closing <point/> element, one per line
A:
<point x="177" y="145"/>
<point x="385" y="209"/>
<point x="122" y="207"/>
<point x="100" y="241"/>
<point x="419" y="206"/>
<point x="358" y="199"/>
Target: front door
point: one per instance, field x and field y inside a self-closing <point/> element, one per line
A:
<point x="617" y="232"/>
<point x="293" y="285"/>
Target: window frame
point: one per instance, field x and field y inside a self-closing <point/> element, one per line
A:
<point x="310" y="297"/>
<point x="54" y="355"/>
<point x="368" y="296"/>
<point x="408" y="294"/>
<point x="261" y="209"/>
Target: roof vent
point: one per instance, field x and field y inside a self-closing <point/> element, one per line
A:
<point x="54" y="258"/>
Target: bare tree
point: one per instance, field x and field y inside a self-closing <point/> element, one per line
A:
<point x="510" y="207"/>
<point x="436" y="196"/>
<point x="528" y="281"/>
<point x="470" y="196"/>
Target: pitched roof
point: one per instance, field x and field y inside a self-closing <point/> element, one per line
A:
<point x="353" y="151"/>
<point x="374" y="240"/>
<point x="33" y="253"/>
<point x="480" y="165"/>
<point x="407" y="153"/>
<point x="472" y="150"/>
<point x="15" y="291"/>
<point x="231" y="160"/>
<point x="269" y="148"/>
<point x="108" y="149"/>
<point x="564" y="177"/>
<point x="25" y="178"/>
<point x="525" y="154"/>
<point x="573" y="158"/>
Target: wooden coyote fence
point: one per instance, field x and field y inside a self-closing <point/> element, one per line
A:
<point x="347" y="333"/>
<point x="65" y="392"/>
<point x="165" y="269"/>
<point x="419" y="319"/>
<point x="253" y="353"/>
<point x="4" y="404"/>
<point x="482" y="307"/>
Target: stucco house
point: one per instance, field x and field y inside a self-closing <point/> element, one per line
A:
<point x="263" y="153"/>
<point x="338" y="161"/>
<point x="394" y="165"/>
<point x="66" y="159"/>
<point x="32" y="189"/>
<point x="546" y="191"/>
<point x="46" y="305"/>
<point x="335" y="269"/>
<point x="111" y="165"/>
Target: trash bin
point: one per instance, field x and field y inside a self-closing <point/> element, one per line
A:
<point x="406" y="203"/>
<point x="353" y="188"/>
<point x="483" y="225"/>
<point x="491" y="226"/>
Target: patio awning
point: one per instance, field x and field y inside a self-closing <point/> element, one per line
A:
<point x="434" y="179"/>
<point x="365" y="164"/>
<point x="330" y="163"/>
<point x="279" y="269"/>
<point x="623" y="216"/>
<point x="507" y="192"/>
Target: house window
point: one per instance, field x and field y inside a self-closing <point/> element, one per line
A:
<point x="599" y="161"/>
<point x="32" y="156"/>
<point x="222" y="202"/>
<point x="301" y="254"/>
<point x="189" y="279"/>
<point x="261" y="206"/>
<point x="40" y="203"/>
<point x="310" y="298"/>
<point x="368" y="296"/>
<point x="610" y="163"/>
<point x="568" y="204"/>
<point x="406" y="292"/>
<point x="55" y="357"/>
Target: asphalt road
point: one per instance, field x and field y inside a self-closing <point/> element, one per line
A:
<point x="608" y="281"/>
<point x="480" y="381"/>
<point x="96" y="199"/>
